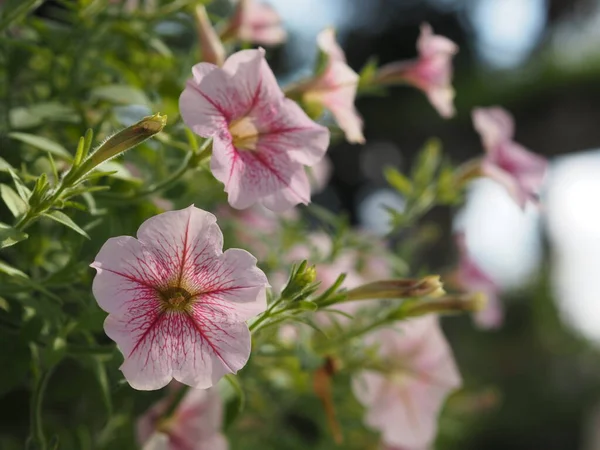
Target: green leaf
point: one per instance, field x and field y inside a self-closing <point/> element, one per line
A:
<point x="12" y="200"/>
<point x="306" y="305"/>
<point x="236" y="404"/>
<point x="42" y="143"/>
<point x="4" y="305"/>
<point x="120" y="94"/>
<point x="100" y="372"/>
<point x="398" y="181"/>
<point x="61" y="217"/>
<point x="427" y="163"/>
<point x="10" y="236"/>
<point x="15" y="10"/>
<point x="4" y="166"/>
<point x="11" y="271"/>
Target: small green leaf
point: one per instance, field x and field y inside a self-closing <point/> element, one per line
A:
<point x="120" y="94"/>
<point x="12" y="200"/>
<point x="306" y="305"/>
<point x="427" y="163"/>
<point x="42" y="143"/>
<point x="11" y="271"/>
<point x="61" y="217"/>
<point x="236" y="404"/>
<point x="398" y="181"/>
<point x="4" y="166"/>
<point x="4" y="305"/>
<point x="10" y="236"/>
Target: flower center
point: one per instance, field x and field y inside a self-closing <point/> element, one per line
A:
<point x="244" y="134"/>
<point x="176" y="299"/>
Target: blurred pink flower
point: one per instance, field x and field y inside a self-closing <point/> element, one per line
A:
<point x="320" y="174"/>
<point x="431" y="72"/>
<point x="261" y="140"/>
<point x="404" y="401"/>
<point x="210" y="44"/>
<point x="158" y="441"/>
<point x="520" y="171"/>
<point x="335" y="88"/>
<point x="255" y="22"/>
<point x="195" y="424"/>
<point x="472" y="278"/>
<point x="177" y="304"/>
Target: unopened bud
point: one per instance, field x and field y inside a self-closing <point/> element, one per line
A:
<point x="429" y="286"/>
<point x="450" y="304"/>
<point x="210" y="44"/>
<point x="302" y="277"/>
<point x="124" y="140"/>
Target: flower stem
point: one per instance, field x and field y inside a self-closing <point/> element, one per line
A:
<point x="37" y="429"/>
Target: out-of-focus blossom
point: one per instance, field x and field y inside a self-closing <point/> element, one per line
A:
<point x="320" y="174"/>
<point x="255" y="22"/>
<point x="194" y="425"/>
<point x="403" y="401"/>
<point x="335" y="88"/>
<point x="210" y="44"/>
<point x="261" y="140"/>
<point x="431" y="72"/>
<point x="471" y="278"/>
<point x="177" y="304"/>
<point x="520" y="171"/>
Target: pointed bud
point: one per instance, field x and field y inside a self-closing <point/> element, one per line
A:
<point x="450" y="304"/>
<point x="301" y="282"/>
<point x="210" y="45"/>
<point x="429" y="286"/>
<point x="123" y="141"/>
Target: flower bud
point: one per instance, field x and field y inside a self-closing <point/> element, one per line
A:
<point x="210" y="45"/>
<point x="429" y="286"/>
<point x="450" y="304"/>
<point x="301" y="282"/>
<point x="124" y="140"/>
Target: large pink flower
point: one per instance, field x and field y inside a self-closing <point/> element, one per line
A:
<point x="177" y="304"/>
<point x="520" y="171"/>
<point x="256" y="22"/>
<point x="262" y="141"/>
<point x="472" y="278"/>
<point x="195" y="424"/>
<point x="335" y="88"/>
<point x="403" y="401"/>
<point x="431" y="72"/>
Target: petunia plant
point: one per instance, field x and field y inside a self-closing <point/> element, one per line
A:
<point x="166" y="279"/>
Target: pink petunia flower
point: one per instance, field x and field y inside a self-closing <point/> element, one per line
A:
<point x="403" y="401"/>
<point x="177" y="304"/>
<point x="195" y="424"/>
<point x="431" y="72"/>
<point x="520" y="171"/>
<point x="335" y="88"/>
<point x="261" y="140"/>
<point x="472" y="278"/>
<point x="255" y="22"/>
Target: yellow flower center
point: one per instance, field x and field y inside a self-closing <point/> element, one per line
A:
<point x="176" y="299"/>
<point x="244" y="134"/>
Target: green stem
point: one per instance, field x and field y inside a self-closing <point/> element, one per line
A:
<point x="177" y="399"/>
<point x="37" y="399"/>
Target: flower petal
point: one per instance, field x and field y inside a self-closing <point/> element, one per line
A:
<point x="250" y="176"/>
<point x="127" y="272"/>
<point x="328" y="44"/>
<point x="430" y="44"/>
<point x="494" y="125"/>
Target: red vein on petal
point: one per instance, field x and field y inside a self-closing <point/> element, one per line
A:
<point x="202" y="334"/>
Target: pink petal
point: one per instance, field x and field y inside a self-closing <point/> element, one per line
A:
<point x="442" y="99"/>
<point x="210" y="45"/>
<point x="195" y="424"/>
<point x="158" y="441"/>
<point x="494" y="125"/>
<point x="335" y="89"/>
<point x="269" y="176"/>
<point x="405" y="408"/>
<point x="260" y="24"/>
<point x="430" y="44"/>
<point x="328" y="44"/>
<point x="510" y="164"/>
